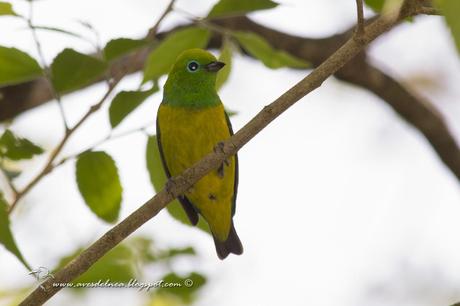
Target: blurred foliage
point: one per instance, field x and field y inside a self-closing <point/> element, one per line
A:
<point x="119" y="47"/>
<point x="127" y="101"/>
<point x="226" y="8"/>
<point x="451" y="11"/>
<point x="99" y="184"/>
<point x="16" y="148"/>
<point x="226" y="54"/>
<point x="258" y="47"/>
<point x="6" y="9"/>
<point x="6" y="236"/>
<point x="17" y="66"/>
<point x="375" y="5"/>
<point x="72" y="70"/>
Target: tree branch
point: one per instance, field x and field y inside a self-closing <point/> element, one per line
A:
<point x="178" y="185"/>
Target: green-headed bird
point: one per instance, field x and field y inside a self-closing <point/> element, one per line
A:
<point x="191" y="120"/>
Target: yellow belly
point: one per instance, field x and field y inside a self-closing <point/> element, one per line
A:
<point x="186" y="136"/>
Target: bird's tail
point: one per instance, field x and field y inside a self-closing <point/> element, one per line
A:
<point x="231" y="245"/>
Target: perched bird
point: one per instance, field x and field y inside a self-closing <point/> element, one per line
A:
<point x="191" y="120"/>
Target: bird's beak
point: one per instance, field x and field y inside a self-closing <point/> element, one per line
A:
<point x="214" y="66"/>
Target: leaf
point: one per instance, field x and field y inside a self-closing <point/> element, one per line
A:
<point x="162" y="58"/>
<point x="258" y="47"/>
<point x="116" y="266"/>
<point x="72" y="70"/>
<point x="127" y="101"/>
<point x="6" y="9"/>
<point x="6" y="236"/>
<point x="168" y="254"/>
<point x="375" y="5"/>
<point x="158" y="180"/>
<point x="190" y="284"/>
<point x="119" y="47"/>
<point x="225" y="57"/>
<point x="451" y="10"/>
<point x="16" y="148"/>
<point x="99" y="184"/>
<point x="17" y="67"/>
<point x="239" y="7"/>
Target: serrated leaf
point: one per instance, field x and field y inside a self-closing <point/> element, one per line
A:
<point x="258" y="47"/>
<point x="375" y="5"/>
<point x="6" y="236"/>
<point x="6" y="9"/>
<point x="99" y="184"/>
<point x="239" y="7"/>
<point x="72" y="70"/>
<point x="451" y="11"/>
<point x="158" y="180"/>
<point x="127" y="101"/>
<point x="225" y="56"/>
<point x="190" y="284"/>
<point x="17" y="66"/>
<point x="162" y="58"/>
<point x="116" y="266"/>
<point x="122" y="46"/>
<point x="16" y="148"/>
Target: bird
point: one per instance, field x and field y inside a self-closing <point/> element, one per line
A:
<point x="192" y="122"/>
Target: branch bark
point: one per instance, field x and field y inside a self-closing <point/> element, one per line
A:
<point x="178" y="185"/>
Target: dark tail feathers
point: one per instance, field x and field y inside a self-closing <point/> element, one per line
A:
<point x="231" y="245"/>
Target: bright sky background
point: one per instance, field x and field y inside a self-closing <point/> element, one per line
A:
<point x="340" y="202"/>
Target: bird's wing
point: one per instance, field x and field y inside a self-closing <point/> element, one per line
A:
<point x="235" y="184"/>
<point x="186" y="204"/>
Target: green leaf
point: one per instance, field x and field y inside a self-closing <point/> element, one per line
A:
<point x="99" y="184"/>
<point x="170" y="253"/>
<point x="162" y="58"/>
<point x="17" y="67"/>
<point x="225" y="56"/>
<point x="189" y="285"/>
<point x="239" y="7"/>
<point x="6" y="236"/>
<point x="116" y="266"/>
<point x="6" y="9"/>
<point x="127" y="101"/>
<point x="158" y="180"/>
<point x="258" y="47"/>
<point x="16" y="148"/>
<point x="72" y="70"/>
<point x="119" y="47"/>
<point x="375" y="5"/>
<point x="451" y="11"/>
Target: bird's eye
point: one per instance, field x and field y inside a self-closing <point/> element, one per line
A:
<point x="192" y="66"/>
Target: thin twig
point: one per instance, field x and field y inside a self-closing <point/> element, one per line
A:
<point x="424" y="10"/>
<point x="153" y="30"/>
<point x="110" y="136"/>
<point x="360" y="17"/>
<point x="45" y="66"/>
<point x="179" y="184"/>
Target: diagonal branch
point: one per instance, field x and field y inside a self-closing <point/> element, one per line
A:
<point x="178" y="185"/>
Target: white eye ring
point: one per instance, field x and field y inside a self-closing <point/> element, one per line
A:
<point x="193" y="66"/>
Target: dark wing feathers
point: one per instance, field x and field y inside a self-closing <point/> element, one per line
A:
<point x="186" y="204"/>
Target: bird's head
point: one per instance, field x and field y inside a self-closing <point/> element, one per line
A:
<point x="193" y="76"/>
